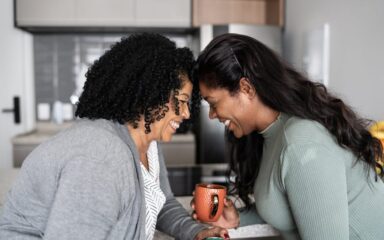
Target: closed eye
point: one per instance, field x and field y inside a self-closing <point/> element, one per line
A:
<point x="185" y="102"/>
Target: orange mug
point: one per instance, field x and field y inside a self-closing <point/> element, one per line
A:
<point x="209" y="201"/>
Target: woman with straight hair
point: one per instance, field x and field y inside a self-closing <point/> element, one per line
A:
<point x="302" y="160"/>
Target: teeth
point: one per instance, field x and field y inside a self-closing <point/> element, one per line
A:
<point x="227" y="122"/>
<point x="175" y="125"/>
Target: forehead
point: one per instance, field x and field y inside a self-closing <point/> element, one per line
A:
<point x="184" y="78"/>
<point x="186" y="84"/>
<point x="204" y="90"/>
<point x="212" y="93"/>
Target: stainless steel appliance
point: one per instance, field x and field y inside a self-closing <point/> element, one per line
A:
<point x="210" y="134"/>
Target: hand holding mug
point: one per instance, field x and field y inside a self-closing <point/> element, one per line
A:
<point x="211" y="206"/>
<point x="213" y="233"/>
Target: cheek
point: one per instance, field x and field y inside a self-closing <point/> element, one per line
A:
<point x="161" y="126"/>
<point x="230" y="110"/>
<point x="166" y="133"/>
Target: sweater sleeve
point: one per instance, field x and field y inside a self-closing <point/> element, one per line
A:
<point x="87" y="201"/>
<point x="173" y="219"/>
<point x="315" y="182"/>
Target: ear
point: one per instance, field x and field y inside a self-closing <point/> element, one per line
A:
<point x="246" y="87"/>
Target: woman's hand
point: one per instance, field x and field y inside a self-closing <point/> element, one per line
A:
<point x="228" y="219"/>
<point x="212" y="232"/>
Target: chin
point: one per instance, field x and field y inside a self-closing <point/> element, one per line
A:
<point x="166" y="138"/>
<point x="238" y="135"/>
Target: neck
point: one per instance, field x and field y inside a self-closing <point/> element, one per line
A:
<point x="140" y="138"/>
<point x="268" y="117"/>
<point x="142" y="141"/>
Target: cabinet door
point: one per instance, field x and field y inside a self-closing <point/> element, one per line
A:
<point x="265" y="12"/>
<point x="105" y="13"/>
<point x="163" y="13"/>
<point x="45" y="12"/>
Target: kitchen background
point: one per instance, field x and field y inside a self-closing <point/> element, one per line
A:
<point x="47" y="45"/>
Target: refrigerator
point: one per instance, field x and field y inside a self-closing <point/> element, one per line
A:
<point x="210" y="136"/>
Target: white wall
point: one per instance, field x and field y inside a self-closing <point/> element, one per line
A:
<point x="16" y="79"/>
<point x="356" y="47"/>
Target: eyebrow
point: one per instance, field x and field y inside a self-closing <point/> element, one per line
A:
<point x="185" y="94"/>
<point x="207" y="98"/>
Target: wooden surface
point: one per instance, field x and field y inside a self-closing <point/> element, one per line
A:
<point x="218" y="12"/>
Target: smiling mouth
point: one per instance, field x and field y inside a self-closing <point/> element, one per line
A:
<point x="227" y="122"/>
<point x="175" y="125"/>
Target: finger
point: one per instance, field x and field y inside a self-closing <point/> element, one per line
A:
<point x="218" y="231"/>
<point x="228" y="202"/>
<point x="192" y="203"/>
<point x="224" y="233"/>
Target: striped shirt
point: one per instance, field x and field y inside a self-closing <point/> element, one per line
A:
<point x="154" y="196"/>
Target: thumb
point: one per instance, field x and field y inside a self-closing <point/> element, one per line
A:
<point x="228" y="202"/>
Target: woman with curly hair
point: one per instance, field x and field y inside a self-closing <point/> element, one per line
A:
<point x="105" y="177"/>
<point x="305" y="156"/>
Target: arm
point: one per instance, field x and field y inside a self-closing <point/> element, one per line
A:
<point x="315" y="182"/>
<point x="173" y="219"/>
<point x="87" y="201"/>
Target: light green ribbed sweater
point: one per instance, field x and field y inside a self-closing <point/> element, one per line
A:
<point x="309" y="187"/>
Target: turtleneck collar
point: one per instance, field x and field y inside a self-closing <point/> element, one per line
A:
<point x="275" y="126"/>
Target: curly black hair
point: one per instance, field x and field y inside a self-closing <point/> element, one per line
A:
<point x="230" y="57"/>
<point x="137" y="77"/>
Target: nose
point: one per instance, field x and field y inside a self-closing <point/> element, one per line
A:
<point x="186" y="113"/>
<point x="212" y="114"/>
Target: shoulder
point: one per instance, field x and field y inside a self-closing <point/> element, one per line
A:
<point x="94" y="129"/>
<point x="308" y="141"/>
<point x="99" y="132"/>
<point x="305" y="131"/>
<point x="94" y="140"/>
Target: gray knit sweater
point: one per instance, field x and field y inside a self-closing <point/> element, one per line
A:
<point x="86" y="183"/>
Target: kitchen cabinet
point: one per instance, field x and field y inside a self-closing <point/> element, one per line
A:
<point x="180" y="151"/>
<point x="103" y="13"/>
<point x="163" y="13"/>
<point x="221" y="12"/>
<point x="45" y="12"/>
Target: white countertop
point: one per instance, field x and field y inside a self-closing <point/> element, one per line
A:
<point x="257" y="230"/>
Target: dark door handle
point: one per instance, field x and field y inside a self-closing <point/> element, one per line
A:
<point x="15" y="109"/>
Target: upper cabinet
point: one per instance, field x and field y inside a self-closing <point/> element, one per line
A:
<point x="264" y="12"/>
<point x="163" y="13"/>
<point x="103" y="13"/>
<point x="146" y="13"/>
<point x="45" y="12"/>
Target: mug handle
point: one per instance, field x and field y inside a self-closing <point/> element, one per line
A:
<point x="215" y="205"/>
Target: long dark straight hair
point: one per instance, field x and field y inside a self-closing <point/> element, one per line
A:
<point x="229" y="57"/>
